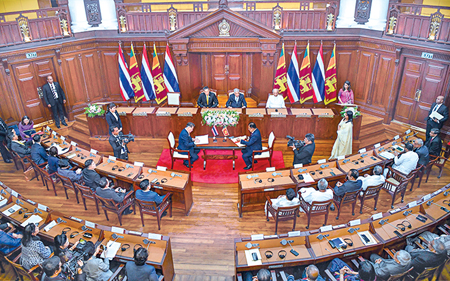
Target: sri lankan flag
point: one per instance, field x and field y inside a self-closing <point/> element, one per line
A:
<point x="306" y="88"/>
<point x="330" y="80"/>
<point x="158" y="79"/>
<point x="135" y="76"/>
<point x="280" y="81"/>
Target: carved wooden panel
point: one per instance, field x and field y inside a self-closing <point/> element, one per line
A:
<point x="9" y="110"/>
<point x="362" y="11"/>
<point x="382" y="83"/>
<point x="93" y="12"/>
<point x="235" y="62"/>
<point x="219" y="78"/>
<point x="92" y="75"/>
<point x="111" y="75"/>
<point x="365" y="71"/>
<point x="235" y="31"/>
<point x="75" y="85"/>
<point x="45" y="28"/>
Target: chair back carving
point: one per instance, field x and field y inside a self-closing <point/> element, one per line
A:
<point x="400" y="275"/>
<point x="315" y="208"/>
<point x="372" y="191"/>
<point x="230" y="92"/>
<point x="148" y="207"/>
<point x="21" y="272"/>
<point x="85" y="191"/>
<point x="109" y="204"/>
<point x="285" y="213"/>
<point x="349" y="197"/>
<point x="66" y="182"/>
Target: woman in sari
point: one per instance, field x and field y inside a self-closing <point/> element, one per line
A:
<point x="343" y="144"/>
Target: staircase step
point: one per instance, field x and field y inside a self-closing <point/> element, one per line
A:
<point x="80" y="138"/>
<point x="81" y="118"/>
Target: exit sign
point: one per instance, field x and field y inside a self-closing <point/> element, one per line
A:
<point x="427" y="55"/>
<point x="31" y="55"/>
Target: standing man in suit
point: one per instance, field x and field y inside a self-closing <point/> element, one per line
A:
<point x="55" y="99"/>
<point x="440" y="108"/>
<point x="3" y="134"/>
<point x="118" y="145"/>
<point x="253" y="143"/>
<point x="434" y="143"/>
<point x="186" y="142"/>
<point x="422" y="152"/>
<point x="236" y="100"/>
<point x="207" y="98"/>
<point x="304" y="154"/>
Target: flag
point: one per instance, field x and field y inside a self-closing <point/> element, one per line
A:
<point x="306" y="89"/>
<point x="170" y="75"/>
<point x="147" y="77"/>
<point x="293" y="82"/>
<point x="158" y="79"/>
<point x="126" y="90"/>
<point x="280" y="81"/>
<point x="214" y="131"/>
<point x="135" y="76"/>
<point x="330" y="81"/>
<point x="318" y="77"/>
<point x="225" y="131"/>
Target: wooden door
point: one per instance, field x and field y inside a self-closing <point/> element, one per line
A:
<point x="227" y="72"/>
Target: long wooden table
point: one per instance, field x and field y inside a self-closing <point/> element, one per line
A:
<point x="220" y="144"/>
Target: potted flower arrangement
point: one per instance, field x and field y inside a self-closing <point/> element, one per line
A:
<point x="93" y="110"/>
<point x="220" y="118"/>
<point x="353" y="109"/>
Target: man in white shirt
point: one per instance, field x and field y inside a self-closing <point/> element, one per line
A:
<point x="275" y="100"/>
<point x="376" y="179"/>
<point x="406" y="162"/>
<point x="310" y="194"/>
<point x="289" y="199"/>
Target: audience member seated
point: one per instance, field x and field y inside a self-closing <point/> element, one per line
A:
<point x="118" y="194"/>
<point x="53" y="160"/>
<point x="26" y="129"/>
<point x="236" y="100"/>
<point x="145" y="194"/>
<point x="352" y="184"/>
<point x="62" y="249"/>
<point x="262" y="275"/>
<point x="96" y="269"/>
<point x="53" y="272"/>
<point x="310" y="194"/>
<point x="90" y="177"/>
<point x="311" y="273"/>
<point x="17" y="146"/>
<point x="304" y="154"/>
<point x="434" y="256"/>
<point x="8" y="241"/>
<point x="343" y="272"/>
<point x="275" y="100"/>
<point x="207" y="98"/>
<point x="137" y="270"/>
<point x="289" y="199"/>
<point x="434" y="143"/>
<point x="429" y="236"/>
<point x="406" y="162"/>
<point x="422" y="152"/>
<point x="376" y="179"/>
<point x="65" y="171"/>
<point x="38" y="153"/>
<point x="384" y="268"/>
<point x="33" y="250"/>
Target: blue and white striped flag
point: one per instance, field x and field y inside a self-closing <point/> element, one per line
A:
<point x="170" y="75"/>
<point x="147" y="77"/>
<point x="214" y="131"/>
<point x="293" y="78"/>
<point x="318" y="77"/>
<point x="126" y="90"/>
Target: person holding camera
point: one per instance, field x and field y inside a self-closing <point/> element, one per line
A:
<point x="96" y="269"/>
<point x="303" y="154"/>
<point x="52" y="271"/>
<point x="118" y="144"/>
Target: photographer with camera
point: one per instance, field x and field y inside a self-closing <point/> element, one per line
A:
<point x="303" y="150"/>
<point x="119" y="144"/>
<point x="53" y="271"/>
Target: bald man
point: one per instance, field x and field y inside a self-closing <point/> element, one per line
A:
<point x="440" y="108"/>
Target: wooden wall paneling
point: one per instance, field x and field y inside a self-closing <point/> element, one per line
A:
<point x="236" y="71"/>
<point x="190" y="76"/>
<point x="344" y="62"/>
<point x="363" y="79"/>
<point x="248" y="71"/>
<point x="257" y="66"/>
<point x="381" y="89"/>
<point x="111" y="74"/>
<point x="206" y="69"/>
<point x="90" y="66"/>
<point x="10" y="107"/>
<point x="219" y="78"/>
<point x="10" y="32"/>
<point x="75" y="81"/>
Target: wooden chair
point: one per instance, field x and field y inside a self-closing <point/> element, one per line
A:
<point x="400" y="276"/>
<point x="37" y="171"/>
<point x="282" y="213"/>
<point x="416" y="171"/>
<point x="68" y="184"/>
<point x="315" y="209"/>
<point x="86" y="193"/>
<point x="151" y="208"/>
<point x="117" y="208"/>
<point x="24" y="162"/>
<point x="46" y="177"/>
<point x="266" y="152"/>
<point x="439" y="161"/>
<point x="427" y="273"/>
<point x="176" y="153"/>
<point x="394" y="187"/>
<point x="15" y="158"/>
<point x="121" y="274"/>
<point x="372" y="192"/>
<point x="21" y="272"/>
<point x="347" y="199"/>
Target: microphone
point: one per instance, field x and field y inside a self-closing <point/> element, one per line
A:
<point x="115" y="237"/>
<point x="250" y="245"/>
<point x="77" y="149"/>
<point x="92" y="155"/>
<point x="3" y="192"/>
<point x="174" y="175"/>
<point x="152" y="171"/>
<point x="276" y="174"/>
<point x="363" y="237"/>
<point x="363" y="155"/>
<point x="83" y="228"/>
<point x="110" y="161"/>
<point x="302" y="170"/>
<point x="154" y="180"/>
<point x="345" y="161"/>
<point x="324" y="166"/>
<point x="252" y="176"/>
<point x="442" y="207"/>
<point x="36" y="210"/>
<point x="128" y="166"/>
<point x="148" y="242"/>
<point x="321" y="236"/>
<point x="284" y="242"/>
<point x="19" y="202"/>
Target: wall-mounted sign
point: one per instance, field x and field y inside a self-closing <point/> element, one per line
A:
<point x="427" y="55"/>
<point x="31" y="55"/>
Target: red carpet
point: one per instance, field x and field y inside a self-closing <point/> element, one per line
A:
<point x="219" y="171"/>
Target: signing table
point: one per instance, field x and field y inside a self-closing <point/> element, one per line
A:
<point x="218" y="145"/>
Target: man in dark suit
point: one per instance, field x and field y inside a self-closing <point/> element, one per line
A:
<point x="55" y="99"/>
<point x="384" y="268"/>
<point x="434" y="256"/>
<point x="253" y="143"/>
<point x="422" y="152"/>
<point x="304" y="154"/>
<point x="90" y="177"/>
<point x="145" y="194"/>
<point x="119" y="147"/>
<point x="207" y="98"/>
<point x="352" y="184"/>
<point x="103" y="190"/>
<point x="3" y="134"/>
<point x="38" y="153"/>
<point x="186" y="142"/>
<point x="434" y="143"/>
<point x="18" y="147"/>
<point x="440" y="108"/>
<point x="236" y="100"/>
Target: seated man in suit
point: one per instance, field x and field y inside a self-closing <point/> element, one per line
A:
<point x="310" y="194"/>
<point x="352" y="184"/>
<point x="422" y="152"/>
<point x="207" y="98"/>
<point x="236" y="100"/>
<point x="17" y="146"/>
<point x="185" y="142"/>
<point x="434" y="143"/>
<point x="384" y="268"/>
<point x="145" y="194"/>
<point x="38" y="153"/>
<point x="376" y="179"/>
<point x="440" y="108"/>
<point x="253" y="143"/>
<point x="304" y="154"/>
<point x="90" y="177"/>
<point x="103" y="190"/>
<point x="65" y="171"/>
<point x="275" y="100"/>
<point x="118" y="145"/>
<point x="435" y="255"/>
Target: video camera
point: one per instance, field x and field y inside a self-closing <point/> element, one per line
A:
<point x="293" y="142"/>
<point x="127" y="138"/>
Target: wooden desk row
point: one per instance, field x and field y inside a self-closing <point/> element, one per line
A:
<point x="314" y="249"/>
<point x="20" y="211"/>
<point x="157" y="122"/>
<point x="126" y="173"/>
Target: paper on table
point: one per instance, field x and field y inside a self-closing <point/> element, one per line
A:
<point x="237" y="141"/>
<point x="3" y="202"/>
<point x="113" y="247"/>
<point x="11" y="210"/>
<point x="250" y="261"/>
<point x="32" y="219"/>
<point x="369" y="236"/>
<point x="50" y="226"/>
<point x="387" y="155"/>
<point x="307" y="178"/>
<point x="203" y="139"/>
<point x="436" y="115"/>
